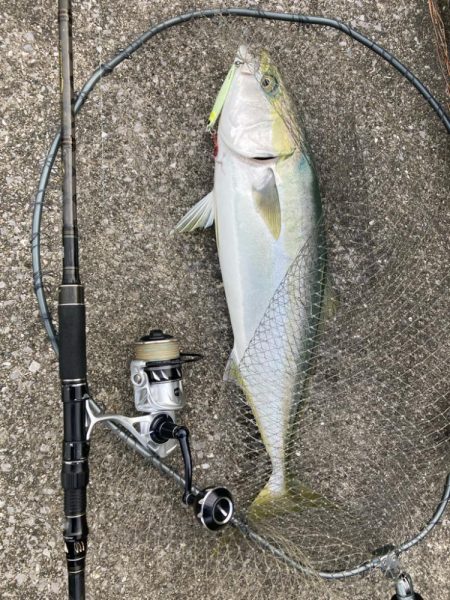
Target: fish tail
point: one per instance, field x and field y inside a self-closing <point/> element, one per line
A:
<point x="294" y="498"/>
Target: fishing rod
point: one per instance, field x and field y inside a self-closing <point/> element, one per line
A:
<point x="156" y="370"/>
<point x="72" y="333"/>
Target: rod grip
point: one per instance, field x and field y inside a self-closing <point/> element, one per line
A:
<point x="72" y="337"/>
<point x="74" y="485"/>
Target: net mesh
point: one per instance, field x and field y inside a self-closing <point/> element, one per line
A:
<point x="372" y="434"/>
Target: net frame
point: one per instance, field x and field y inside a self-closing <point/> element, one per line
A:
<point x="106" y="69"/>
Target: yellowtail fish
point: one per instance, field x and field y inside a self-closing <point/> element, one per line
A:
<point x="267" y="212"/>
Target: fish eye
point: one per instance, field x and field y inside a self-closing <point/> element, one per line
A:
<point x="269" y="83"/>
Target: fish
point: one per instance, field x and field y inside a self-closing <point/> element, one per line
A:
<point x="268" y="216"/>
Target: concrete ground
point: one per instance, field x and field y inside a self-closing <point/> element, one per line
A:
<point x="143" y="159"/>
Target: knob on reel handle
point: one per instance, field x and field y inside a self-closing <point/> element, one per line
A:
<point x="214" y="507"/>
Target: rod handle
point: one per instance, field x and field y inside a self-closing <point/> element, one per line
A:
<point x="72" y="339"/>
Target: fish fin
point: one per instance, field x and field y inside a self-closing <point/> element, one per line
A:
<point x="330" y="302"/>
<point x="201" y="215"/>
<point x="296" y="498"/>
<point x="232" y="373"/>
<point x="228" y="536"/>
<point x="267" y="204"/>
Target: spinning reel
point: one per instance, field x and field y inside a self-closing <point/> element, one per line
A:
<point x="156" y="375"/>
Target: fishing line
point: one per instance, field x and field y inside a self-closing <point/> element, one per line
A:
<point x="106" y="69"/>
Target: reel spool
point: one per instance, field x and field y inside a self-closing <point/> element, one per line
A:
<point x="156" y="376"/>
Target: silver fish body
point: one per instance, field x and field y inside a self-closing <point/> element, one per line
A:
<point x="268" y="218"/>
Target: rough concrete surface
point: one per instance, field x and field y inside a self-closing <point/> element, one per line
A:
<point x="143" y="159"/>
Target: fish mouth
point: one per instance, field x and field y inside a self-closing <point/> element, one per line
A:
<point x="260" y="159"/>
<point x="245" y="59"/>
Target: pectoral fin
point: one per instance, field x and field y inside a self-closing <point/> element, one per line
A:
<point x="201" y="215"/>
<point x="267" y="203"/>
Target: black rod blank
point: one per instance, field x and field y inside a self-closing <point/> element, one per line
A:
<point x="70" y="232"/>
<point x="72" y="334"/>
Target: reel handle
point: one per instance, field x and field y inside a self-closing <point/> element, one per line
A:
<point x="213" y="506"/>
<point x="164" y="429"/>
